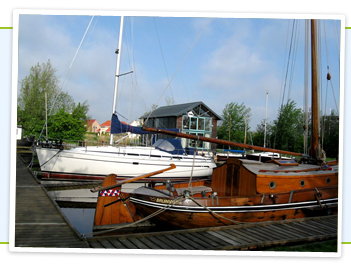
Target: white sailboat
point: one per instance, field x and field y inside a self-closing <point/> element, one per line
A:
<point x="92" y="163"/>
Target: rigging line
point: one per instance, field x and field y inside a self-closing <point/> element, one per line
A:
<point x="163" y="58"/>
<point x="284" y="65"/>
<point x="328" y="66"/>
<point x="326" y="45"/>
<point x="65" y="81"/>
<point x="135" y="85"/>
<point x="81" y="41"/>
<point x="285" y="81"/>
<point x="186" y="56"/>
<point x="293" y="62"/>
<point x="70" y="75"/>
<point x="336" y="104"/>
<point x="289" y="57"/>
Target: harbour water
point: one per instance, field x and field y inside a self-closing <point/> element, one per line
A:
<point x="81" y="218"/>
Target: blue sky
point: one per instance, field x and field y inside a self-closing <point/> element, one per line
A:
<point x="233" y="60"/>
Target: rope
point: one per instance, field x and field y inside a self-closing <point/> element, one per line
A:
<point x="51" y="157"/>
<point x="175" y="201"/>
<point x="214" y="213"/>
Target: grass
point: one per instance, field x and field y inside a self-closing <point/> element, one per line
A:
<point x="325" y="246"/>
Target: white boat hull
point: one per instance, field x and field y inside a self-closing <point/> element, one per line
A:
<point x="98" y="162"/>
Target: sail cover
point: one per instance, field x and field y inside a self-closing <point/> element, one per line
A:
<point x="118" y="127"/>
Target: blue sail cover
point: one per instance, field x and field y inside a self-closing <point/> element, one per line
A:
<point x="118" y="127"/>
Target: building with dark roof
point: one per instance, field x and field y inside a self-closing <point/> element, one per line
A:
<point x="192" y="118"/>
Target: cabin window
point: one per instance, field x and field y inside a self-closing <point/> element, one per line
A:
<point x="272" y="185"/>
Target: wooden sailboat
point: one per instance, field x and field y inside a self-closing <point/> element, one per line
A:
<point x="243" y="191"/>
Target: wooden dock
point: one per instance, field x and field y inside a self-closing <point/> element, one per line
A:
<point x="39" y="223"/>
<point x="238" y="237"/>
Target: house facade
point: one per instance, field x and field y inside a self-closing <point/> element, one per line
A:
<point x="93" y="127"/>
<point x="106" y="127"/>
<point x="191" y="118"/>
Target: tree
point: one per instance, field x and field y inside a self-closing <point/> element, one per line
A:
<point x="64" y="125"/>
<point x="235" y="118"/>
<point x="330" y="134"/>
<point x="40" y="90"/>
<point x="287" y="130"/>
<point x="258" y="135"/>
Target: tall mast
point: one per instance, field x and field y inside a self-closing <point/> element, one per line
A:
<point x="118" y="52"/>
<point x="265" y="121"/>
<point x="315" y="150"/>
<point x="306" y="84"/>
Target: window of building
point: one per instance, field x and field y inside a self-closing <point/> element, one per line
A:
<point x="199" y="126"/>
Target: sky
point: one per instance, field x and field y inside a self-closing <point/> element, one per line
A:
<point x="61" y="48"/>
<point x="180" y="58"/>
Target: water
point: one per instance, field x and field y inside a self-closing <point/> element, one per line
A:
<point x="81" y="218"/>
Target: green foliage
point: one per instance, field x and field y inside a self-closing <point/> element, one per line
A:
<point x="71" y="126"/>
<point x="66" y="120"/>
<point x="233" y="125"/>
<point x="330" y="134"/>
<point x="287" y="130"/>
<point x="258" y="135"/>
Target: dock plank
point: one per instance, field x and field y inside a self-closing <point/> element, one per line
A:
<point x="38" y="221"/>
<point x="245" y="236"/>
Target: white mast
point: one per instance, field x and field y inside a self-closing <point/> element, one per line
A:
<point x="265" y="121"/>
<point x="118" y="52"/>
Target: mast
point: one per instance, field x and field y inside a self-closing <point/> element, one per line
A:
<point x="265" y="121"/>
<point x="315" y="150"/>
<point x="118" y="52"/>
<point x="306" y="84"/>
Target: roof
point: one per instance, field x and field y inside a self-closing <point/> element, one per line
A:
<point x="177" y="110"/>
<point x="90" y="122"/>
<point x="106" y="123"/>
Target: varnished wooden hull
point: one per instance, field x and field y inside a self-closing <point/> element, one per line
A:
<point x="208" y="212"/>
<point x="240" y="192"/>
<point x="248" y="192"/>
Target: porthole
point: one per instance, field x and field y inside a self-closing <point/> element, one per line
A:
<point x="272" y="185"/>
<point x="302" y="183"/>
<point x="328" y="180"/>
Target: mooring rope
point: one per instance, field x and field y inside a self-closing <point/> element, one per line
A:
<point x="175" y="201"/>
<point x="214" y="213"/>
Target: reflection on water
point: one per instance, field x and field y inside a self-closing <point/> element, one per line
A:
<point x="81" y="218"/>
<point x="78" y="205"/>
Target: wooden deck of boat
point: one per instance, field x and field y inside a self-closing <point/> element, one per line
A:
<point x="38" y="221"/>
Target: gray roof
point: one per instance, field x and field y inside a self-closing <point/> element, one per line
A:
<point x="177" y="110"/>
